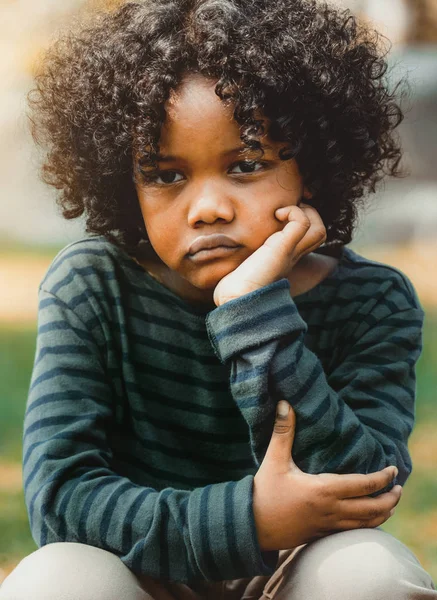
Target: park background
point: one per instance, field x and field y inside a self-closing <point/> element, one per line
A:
<point x="399" y="228"/>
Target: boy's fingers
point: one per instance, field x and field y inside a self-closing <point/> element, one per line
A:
<point x="364" y="524"/>
<point x="355" y="485"/>
<point x="370" y="508"/>
<point x="316" y="233"/>
<point x="279" y="451"/>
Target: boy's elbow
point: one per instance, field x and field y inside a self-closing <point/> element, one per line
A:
<point x="404" y="466"/>
<point x="404" y="469"/>
<point x="400" y="458"/>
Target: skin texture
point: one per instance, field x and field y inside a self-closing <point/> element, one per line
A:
<point x="202" y="190"/>
<point x="303" y="231"/>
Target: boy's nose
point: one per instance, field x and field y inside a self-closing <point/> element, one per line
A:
<point x="209" y="204"/>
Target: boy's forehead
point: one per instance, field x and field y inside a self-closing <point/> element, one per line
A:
<point x="196" y="115"/>
<point x="196" y="94"/>
<point x="193" y="82"/>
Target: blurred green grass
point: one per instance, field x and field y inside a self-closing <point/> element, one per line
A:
<point x="12" y="247"/>
<point x="415" y="520"/>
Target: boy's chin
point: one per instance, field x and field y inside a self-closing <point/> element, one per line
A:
<point x="208" y="277"/>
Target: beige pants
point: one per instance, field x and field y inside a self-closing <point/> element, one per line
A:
<point x="363" y="564"/>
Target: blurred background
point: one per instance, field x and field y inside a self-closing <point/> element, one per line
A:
<point x="398" y="228"/>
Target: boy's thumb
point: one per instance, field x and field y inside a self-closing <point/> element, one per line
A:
<point x="282" y="439"/>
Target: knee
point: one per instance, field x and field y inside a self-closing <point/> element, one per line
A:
<point x="69" y="571"/>
<point x="357" y="565"/>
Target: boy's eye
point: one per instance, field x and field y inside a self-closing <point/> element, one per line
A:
<point x="166" y="177"/>
<point x="247" y="166"/>
<point x="169" y="177"/>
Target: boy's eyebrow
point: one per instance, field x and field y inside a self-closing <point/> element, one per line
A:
<point x="172" y="158"/>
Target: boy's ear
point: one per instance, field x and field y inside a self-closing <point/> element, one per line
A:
<point x="306" y="193"/>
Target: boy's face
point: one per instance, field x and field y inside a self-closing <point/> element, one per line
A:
<point x="206" y="185"/>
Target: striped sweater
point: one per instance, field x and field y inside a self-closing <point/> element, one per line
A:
<point x="147" y="418"/>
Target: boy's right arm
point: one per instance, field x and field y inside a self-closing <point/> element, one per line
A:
<point x="72" y="493"/>
<point x="293" y="508"/>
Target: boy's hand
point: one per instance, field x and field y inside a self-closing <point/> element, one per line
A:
<point x="293" y="508"/>
<point x="303" y="232"/>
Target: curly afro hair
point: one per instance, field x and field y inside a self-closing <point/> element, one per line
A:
<point x="316" y="73"/>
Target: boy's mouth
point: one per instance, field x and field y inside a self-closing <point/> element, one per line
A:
<point x="209" y="242"/>
<point x="211" y="253"/>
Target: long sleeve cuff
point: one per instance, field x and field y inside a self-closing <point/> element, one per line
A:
<point x="252" y="320"/>
<point x="223" y="532"/>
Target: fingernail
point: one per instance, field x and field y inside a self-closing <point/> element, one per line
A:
<point x="283" y="408"/>
<point x="396" y="472"/>
<point x="392" y="512"/>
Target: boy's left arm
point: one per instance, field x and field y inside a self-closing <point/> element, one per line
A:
<point x="358" y="419"/>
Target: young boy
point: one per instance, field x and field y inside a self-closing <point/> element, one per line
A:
<point x="214" y="147"/>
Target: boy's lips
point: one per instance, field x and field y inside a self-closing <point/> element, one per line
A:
<point x="208" y="242"/>
<point x="209" y="254"/>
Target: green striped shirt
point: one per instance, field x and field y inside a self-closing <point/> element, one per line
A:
<point x="147" y="417"/>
